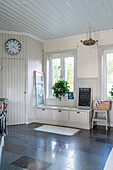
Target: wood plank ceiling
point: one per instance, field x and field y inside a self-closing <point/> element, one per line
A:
<point x="52" y="19"/>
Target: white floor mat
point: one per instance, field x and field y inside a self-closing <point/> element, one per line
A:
<point x="109" y="162"/>
<point x="58" y="130"/>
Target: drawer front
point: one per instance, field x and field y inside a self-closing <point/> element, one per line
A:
<point x="44" y="114"/>
<point x="78" y="116"/>
<point x="60" y="115"/>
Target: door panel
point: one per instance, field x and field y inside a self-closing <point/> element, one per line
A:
<point x="13" y="87"/>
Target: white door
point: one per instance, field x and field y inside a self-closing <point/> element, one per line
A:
<point x="13" y="87"/>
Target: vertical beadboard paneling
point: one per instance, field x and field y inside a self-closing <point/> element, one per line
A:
<point x="14" y="86"/>
<point x="16" y="77"/>
<point x="93" y="83"/>
<point x="12" y="80"/>
<point x="20" y="38"/>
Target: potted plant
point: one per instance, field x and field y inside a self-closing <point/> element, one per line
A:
<point x="111" y="92"/>
<point x="60" y="88"/>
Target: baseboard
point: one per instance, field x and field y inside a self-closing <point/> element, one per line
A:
<point x="10" y="124"/>
<point x="29" y="121"/>
<point x="58" y="123"/>
<point x="81" y="126"/>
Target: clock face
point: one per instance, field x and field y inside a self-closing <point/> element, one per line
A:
<point x="13" y="46"/>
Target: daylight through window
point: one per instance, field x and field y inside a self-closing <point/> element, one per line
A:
<point x="107" y="72"/>
<point x="61" y="67"/>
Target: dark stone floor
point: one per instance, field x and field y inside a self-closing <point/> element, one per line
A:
<point x="24" y="148"/>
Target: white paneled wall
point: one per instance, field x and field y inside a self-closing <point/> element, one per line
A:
<point x="94" y="83"/>
<point x="13" y="83"/>
<point x="16" y="77"/>
<point x="34" y="62"/>
<point x="4" y="54"/>
<point x="88" y="64"/>
<point x="12" y="80"/>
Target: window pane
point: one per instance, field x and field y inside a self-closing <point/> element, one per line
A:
<point x="56" y="76"/>
<point x="71" y="88"/>
<point x="110" y="60"/>
<point x="69" y="75"/>
<point x="69" y="72"/>
<point x="56" y="64"/>
<point x="56" y="71"/>
<point x="109" y="85"/>
<point x="109" y="72"/>
<point x="69" y="63"/>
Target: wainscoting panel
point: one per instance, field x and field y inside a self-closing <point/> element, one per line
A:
<point x="93" y="83"/>
<point x="12" y="80"/>
<point x="13" y="86"/>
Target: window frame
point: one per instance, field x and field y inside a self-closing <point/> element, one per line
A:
<point x="104" y="53"/>
<point x="50" y="74"/>
<point x="69" y="53"/>
<point x="68" y="70"/>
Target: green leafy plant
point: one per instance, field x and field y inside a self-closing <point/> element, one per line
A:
<point x="111" y="91"/>
<point x="60" y="88"/>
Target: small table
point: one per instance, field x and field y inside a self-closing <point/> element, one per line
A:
<point x="96" y="119"/>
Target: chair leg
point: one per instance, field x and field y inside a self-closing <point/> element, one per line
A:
<point x="94" y="114"/>
<point x="92" y="124"/>
<point x="106" y="120"/>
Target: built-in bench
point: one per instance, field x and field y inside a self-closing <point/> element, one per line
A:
<point x="65" y="116"/>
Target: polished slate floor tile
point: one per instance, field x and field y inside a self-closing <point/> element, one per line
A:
<point x="108" y="141"/>
<point x="78" y="165"/>
<point x="22" y="141"/>
<point x="57" y="167"/>
<point x="31" y="164"/>
<point x="27" y="149"/>
<point x="24" y="162"/>
<point x="8" y="157"/>
<point x="14" y="148"/>
<point x="11" y="167"/>
<point x="68" y="154"/>
<point x="90" y="157"/>
<point x="58" y="159"/>
<point x="33" y="153"/>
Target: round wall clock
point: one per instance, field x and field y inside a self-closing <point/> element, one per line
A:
<point x="13" y="46"/>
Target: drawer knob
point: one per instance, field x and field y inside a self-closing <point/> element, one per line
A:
<point x="59" y="110"/>
<point x="43" y="109"/>
<point x="78" y="112"/>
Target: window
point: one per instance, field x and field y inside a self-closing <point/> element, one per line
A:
<point x="107" y="72"/>
<point x="69" y="71"/>
<point x="39" y="88"/>
<point x="56" y="72"/>
<point x="60" y="66"/>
